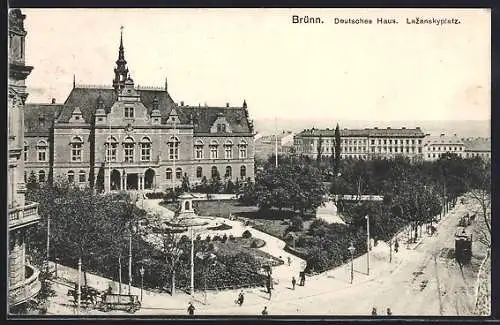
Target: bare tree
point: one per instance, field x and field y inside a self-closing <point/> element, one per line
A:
<point x="479" y="190"/>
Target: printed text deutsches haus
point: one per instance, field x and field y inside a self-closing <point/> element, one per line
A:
<point x="383" y="21"/>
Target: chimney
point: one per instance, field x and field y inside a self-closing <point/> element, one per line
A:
<point x="427" y="134"/>
<point x="227" y="104"/>
<point x="182" y="103"/>
<point x="442" y="134"/>
<point x="376" y="128"/>
<point x="418" y="128"/>
<point x="388" y="128"/>
<point x="403" y="128"/>
<point x="455" y="135"/>
<point x="53" y="100"/>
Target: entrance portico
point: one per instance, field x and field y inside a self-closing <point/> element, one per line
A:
<point x="133" y="179"/>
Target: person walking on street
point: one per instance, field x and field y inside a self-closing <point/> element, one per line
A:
<point x="241" y="298"/>
<point x="264" y="312"/>
<point x="191" y="309"/>
<point x="293" y="283"/>
<point x="389" y="312"/>
<point x="289" y="261"/>
<point x="396" y="245"/>
<point x="374" y="311"/>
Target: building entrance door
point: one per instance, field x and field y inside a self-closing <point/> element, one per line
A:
<point x="132" y="181"/>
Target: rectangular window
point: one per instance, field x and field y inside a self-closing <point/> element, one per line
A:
<point x="81" y="177"/>
<point x="214" y="152"/>
<point x="198" y="152"/>
<point x="373" y="142"/>
<point x="76" y="152"/>
<point x="173" y="151"/>
<point x="228" y="152"/>
<point x="71" y="178"/>
<point x="111" y="151"/>
<point x="145" y="152"/>
<point x="243" y="152"/>
<point x="128" y="152"/>
<point x="129" y="112"/>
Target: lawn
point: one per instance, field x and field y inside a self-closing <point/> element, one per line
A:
<point x="243" y="245"/>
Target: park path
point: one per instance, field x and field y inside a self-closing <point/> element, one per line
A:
<point x="393" y="284"/>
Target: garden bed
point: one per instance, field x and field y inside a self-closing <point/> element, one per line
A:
<point x="246" y="245"/>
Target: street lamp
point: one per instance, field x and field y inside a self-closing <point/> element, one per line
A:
<point x="205" y="256"/>
<point x="351" y="250"/>
<point x="142" y="279"/>
<point x="132" y="230"/>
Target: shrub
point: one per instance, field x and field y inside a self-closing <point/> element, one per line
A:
<point x="216" y="238"/>
<point x="254" y="244"/>
<point x="220" y="227"/>
<point x="198" y="238"/>
<point x="208" y="238"/>
<point x="246" y="234"/>
<point x="231" y="237"/>
<point x="184" y="238"/>
<point x="211" y="247"/>
<point x="155" y="195"/>
<point x="224" y="238"/>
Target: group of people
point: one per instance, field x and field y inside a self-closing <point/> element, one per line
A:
<point x="239" y="301"/>
<point x="374" y="311"/>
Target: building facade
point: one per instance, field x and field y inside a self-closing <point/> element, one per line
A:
<point x="361" y="143"/>
<point x="477" y="147"/>
<point x="436" y="146"/>
<point x="23" y="282"/>
<point x="137" y="138"/>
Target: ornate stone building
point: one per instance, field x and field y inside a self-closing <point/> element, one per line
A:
<point x="362" y="143"/>
<point x="136" y="138"/>
<point x="23" y="280"/>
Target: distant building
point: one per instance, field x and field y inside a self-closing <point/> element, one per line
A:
<point x="436" y="146"/>
<point x="136" y="138"/>
<point x="362" y="143"/>
<point x="477" y="147"/>
<point x="23" y="283"/>
<point x="265" y="146"/>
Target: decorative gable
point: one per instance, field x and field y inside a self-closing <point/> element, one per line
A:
<point x="76" y="116"/>
<point x="173" y="117"/>
<point x="221" y="125"/>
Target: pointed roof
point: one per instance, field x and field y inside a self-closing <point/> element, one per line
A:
<point x="121" y="52"/>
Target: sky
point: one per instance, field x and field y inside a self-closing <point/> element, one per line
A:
<point x="298" y="71"/>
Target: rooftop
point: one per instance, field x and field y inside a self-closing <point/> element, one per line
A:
<point x="367" y="132"/>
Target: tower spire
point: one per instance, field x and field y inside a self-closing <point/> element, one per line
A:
<point x="121" y="70"/>
<point x="74" y="81"/>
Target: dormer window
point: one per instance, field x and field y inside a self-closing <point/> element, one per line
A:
<point x="76" y="118"/>
<point x="129" y="112"/>
<point x="41" y="121"/>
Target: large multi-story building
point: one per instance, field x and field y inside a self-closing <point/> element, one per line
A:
<point x="436" y="146"/>
<point x="477" y="147"/>
<point x="23" y="282"/>
<point x="266" y="146"/>
<point x="136" y="137"/>
<point x="362" y="143"/>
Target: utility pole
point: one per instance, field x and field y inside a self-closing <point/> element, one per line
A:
<point x="79" y="292"/>
<point x="367" y="244"/>
<point x="276" y="141"/>
<point x="192" y="262"/>
<point x="48" y="243"/>
<point x="130" y="261"/>
<point x="120" y="273"/>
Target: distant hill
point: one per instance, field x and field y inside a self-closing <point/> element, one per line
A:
<point x="461" y="128"/>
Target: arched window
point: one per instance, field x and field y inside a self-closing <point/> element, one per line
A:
<point x="81" y="176"/>
<point x="173" y="148"/>
<point x="198" y="149"/>
<point x="169" y="173"/>
<point x="229" y="172"/>
<point x="25" y="151"/>
<point x="215" y="172"/>
<point x="178" y="173"/>
<point x="111" y="147"/>
<point x="128" y="149"/>
<point x="76" y="149"/>
<point x="71" y="176"/>
<point x="228" y="149"/>
<point x="214" y="149"/>
<point x="146" y="149"/>
<point x="199" y="172"/>
<point x="41" y="176"/>
<point x="243" y="172"/>
<point x="41" y="148"/>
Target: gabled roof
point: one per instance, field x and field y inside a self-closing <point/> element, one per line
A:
<point x="204" y="117"/>
<point x="33" y="113"/>
<point x="448" y="140"/>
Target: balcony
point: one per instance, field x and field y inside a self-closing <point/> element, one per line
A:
<point x="23" y="216"/>
<point x="27" y="289"/>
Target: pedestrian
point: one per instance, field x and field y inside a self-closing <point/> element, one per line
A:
<point x="293" y="283"/>
<point x="191" y="309"/>
<point x="264" y="312"/>
<point x="389" y="312"/>
<point x="110" y="290"/>
<point x="241" y="298"/>
<point x="303" y="279"/>
<point x="289" y="261"/>
<point x="374" y="311"/>
<point x="396" y="246"/>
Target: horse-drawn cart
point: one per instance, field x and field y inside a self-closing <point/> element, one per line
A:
<point x="88" y="295"/>
<point x="129" y="303"/>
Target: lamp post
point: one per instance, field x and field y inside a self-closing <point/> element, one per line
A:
<point x="192" y="262"/>
<point x="351" y="250"/>
<point x="142" y="279"/>
<point x="79" y="291"/>
<point x="367" y="244"/>
<point x="132" y="230"/>
<point x="48" y="244"/>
